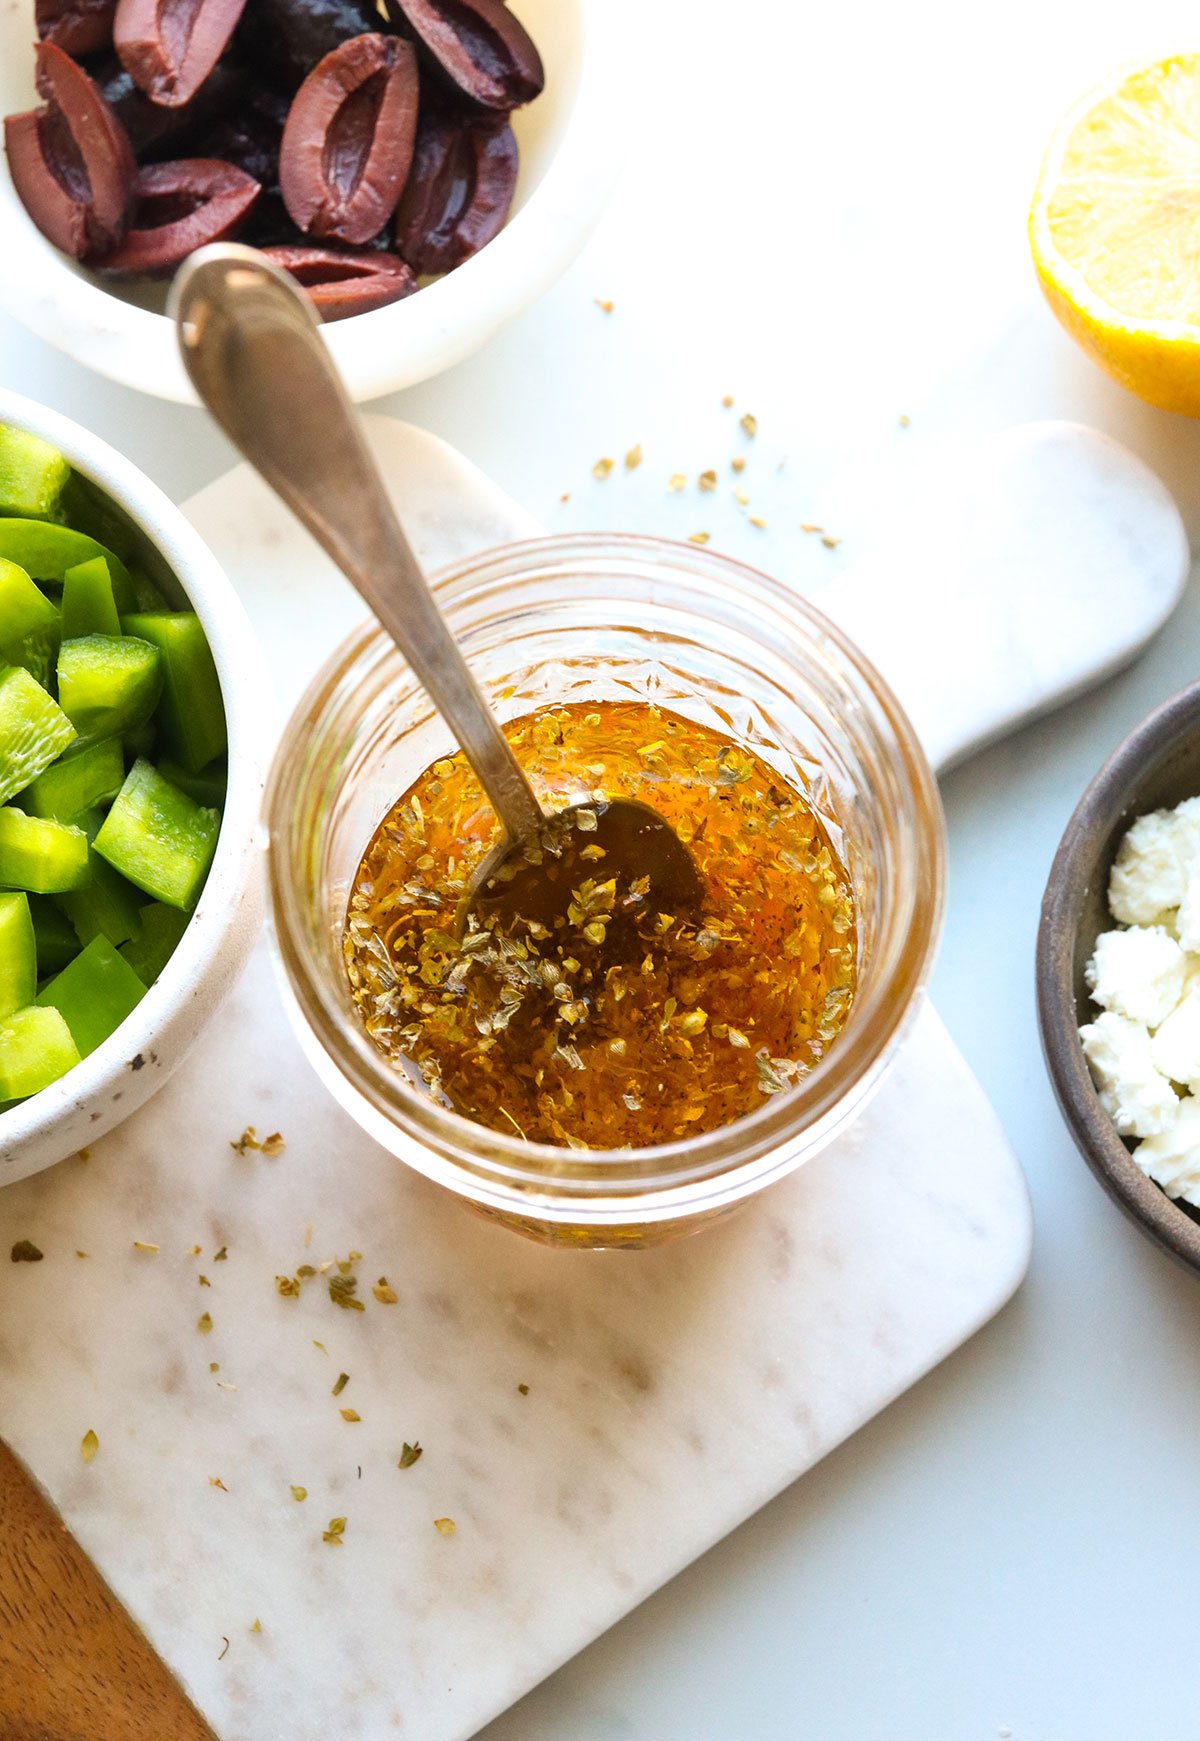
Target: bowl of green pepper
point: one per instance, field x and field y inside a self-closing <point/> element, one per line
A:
<point x="132" y="730"/>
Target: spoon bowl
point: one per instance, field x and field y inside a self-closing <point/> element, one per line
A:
<point x="621" y="841"/>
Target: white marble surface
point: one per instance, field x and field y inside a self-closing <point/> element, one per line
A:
<point x="671" y="1393"/>
<point x="999" y="1548"/>
<point x="1029" y="567"/>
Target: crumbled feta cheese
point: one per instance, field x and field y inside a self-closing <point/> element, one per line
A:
<point x="1172" y="1158"/>
<point x="1137" y="973"/>
<point x="1154" y="864"/>
<point x="1147" y="981"/>
<point x="1136" y="1096"/>
<point x="1187" y="917"/>
<point x="1175" y="1047"/>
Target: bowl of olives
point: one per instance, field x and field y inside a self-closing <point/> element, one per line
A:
<point x="424" y="168"/>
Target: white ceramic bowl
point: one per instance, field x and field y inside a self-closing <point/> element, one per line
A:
<point x="569" y="156"/>
<point x="137" y="1059"/>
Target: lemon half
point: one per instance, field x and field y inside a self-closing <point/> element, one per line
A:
<point x="1115" y="230"/>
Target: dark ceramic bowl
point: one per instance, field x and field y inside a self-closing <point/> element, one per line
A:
<point x="1156" y="767"/>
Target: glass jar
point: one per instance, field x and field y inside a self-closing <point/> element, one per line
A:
<point x="597" y="617"/>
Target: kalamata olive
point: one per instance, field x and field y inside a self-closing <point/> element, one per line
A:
<point x="157" y="133"/>
<point x="269" y="226"/>
<point x="179" y="207"/>
<point x="459" y="190"/>
<point x="480" y="46"/>
<point x="78" y="27"/>
<point x="71" y="162"/>
<point x="171" y="46"/>
<point x="248" y="137"/>
<point x="284" y="39"/>
<point x="341" y="282"/>
<point x="349" y="137"/>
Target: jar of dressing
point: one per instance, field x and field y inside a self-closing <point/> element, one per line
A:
<point x="565" y="622"/>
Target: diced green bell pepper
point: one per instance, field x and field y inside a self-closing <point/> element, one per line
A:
<point x="108" y="684"/>
<point x="86" y="507"/>
<point x="44" y="857"/>
<point x="33" y="730"/>
<point x="159" y="838"/>
<point x="37" y="654"/>
<point x="192" y="716"/>
<point x="77" y="781"/>
<point x="18" y="954"/>
<point x="154" y="945"/>
<point x="24" y="607"/>
<point x="206" y="787"/>
<point x="46" y="552"/>
<point x="140" y="742"/>
<point x="33" y="475"/>
<point x="54" y="935"/>
<point x="29" y="624"/>
<point x="36" y="1048"/>
<point x="146" y="596"/>
<point x="88" y="606"/>
<point x="94" y="994"/>
<point x="109" y="906"/>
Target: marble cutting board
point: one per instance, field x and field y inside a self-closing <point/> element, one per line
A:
<point x="670" y="1393"/>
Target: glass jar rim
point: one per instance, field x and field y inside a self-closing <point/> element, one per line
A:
<point x="514" y="1164"/>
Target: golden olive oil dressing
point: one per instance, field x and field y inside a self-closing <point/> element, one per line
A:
<point x="617" y="1026"/>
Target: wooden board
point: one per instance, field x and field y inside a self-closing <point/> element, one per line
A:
<point x="73" y="1666"/>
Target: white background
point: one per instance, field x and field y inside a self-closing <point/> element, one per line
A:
<point x="823" y="214"/>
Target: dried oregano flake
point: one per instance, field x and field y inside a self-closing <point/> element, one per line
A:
<point x="270" y="1145"/>
<point x="342" y="1289"/>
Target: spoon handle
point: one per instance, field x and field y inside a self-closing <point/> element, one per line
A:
<point x="251" y="344"/>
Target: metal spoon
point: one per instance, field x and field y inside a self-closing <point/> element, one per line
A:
<point x="251" y="345"/>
